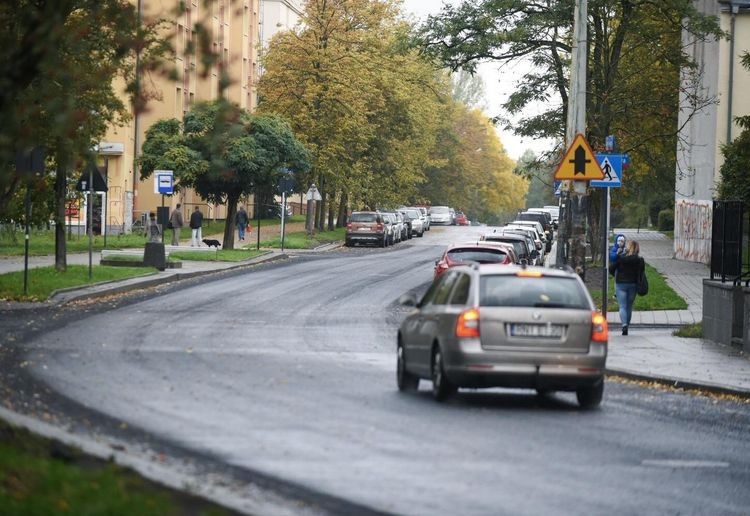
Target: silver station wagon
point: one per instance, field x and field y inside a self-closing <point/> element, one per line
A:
<point x="504" y="326"/>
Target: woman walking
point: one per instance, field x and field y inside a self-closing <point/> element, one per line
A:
<point x="626" y="271"/>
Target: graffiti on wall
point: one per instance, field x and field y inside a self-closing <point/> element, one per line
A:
<point x="692" y="230"/>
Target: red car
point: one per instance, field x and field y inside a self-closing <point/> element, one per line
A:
<point x="461" y="219"/>
<point x="473" y="252"/>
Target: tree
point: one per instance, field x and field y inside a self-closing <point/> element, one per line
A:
<point x="360" y="98"/>
<point x="635" y="57"/>
<point x="224" y="153"/>
<point x="541" y="180"/>
<point x="58" y="59"/>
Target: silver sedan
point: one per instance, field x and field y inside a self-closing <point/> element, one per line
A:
<point x="504" y="326"/>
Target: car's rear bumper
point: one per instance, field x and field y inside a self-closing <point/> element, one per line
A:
<point x="469" y="365"/>
<point x="364" y="237"/>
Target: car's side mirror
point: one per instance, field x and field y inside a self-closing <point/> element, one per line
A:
<point x="408" y="299"/>
<point x="535" y="254"/>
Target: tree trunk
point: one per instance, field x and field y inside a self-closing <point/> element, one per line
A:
<point x="61" y="176"/>
<point x="320" y="213"/>
<point x="229" y="226"/>
<point x="341" y="220"/>
<point x="331" y="214"/>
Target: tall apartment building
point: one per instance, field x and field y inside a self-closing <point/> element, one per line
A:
<point x="721" y="78"/>
<point x="235" y="27"/>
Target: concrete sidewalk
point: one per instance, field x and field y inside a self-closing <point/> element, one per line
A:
<point x="650" y="352"/>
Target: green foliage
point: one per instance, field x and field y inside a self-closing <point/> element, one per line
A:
<point x="33" y="482"/>
<point x="690" y="331"/>
<point x="222" y="255"/>
<point x="43" y="281"/>
<point x="660" y="295"/>
<point x="666" y="220"/>
<point x="224" y="153"/>
<point x="636" y="215"/>
<point x="735" y="171"/>
<point x="301" y="240"/>
<point x="634" y="62"/>
<point x="58" y="62"/>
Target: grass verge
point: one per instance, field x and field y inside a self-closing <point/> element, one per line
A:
<point x="222" y="255"/>
<point x="301" y="240"/>
<point x="690" y="331"/>
<point x="40" y="476"/>
<point x="42" y="281"/>
<point x="660" y="295"/>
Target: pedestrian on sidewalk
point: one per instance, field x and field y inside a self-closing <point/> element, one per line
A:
<point x="626" y="269"/>
<point x="241" y="219"/>
<point x="176" y="222"/>
<point x="196" y="222"/>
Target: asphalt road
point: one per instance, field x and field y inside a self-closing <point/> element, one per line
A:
<point x="288" y="372"/>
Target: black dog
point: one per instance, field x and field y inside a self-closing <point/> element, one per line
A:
<point x="210" y="242"/>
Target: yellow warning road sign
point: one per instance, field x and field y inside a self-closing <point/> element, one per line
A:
<point x="579" y="163"/>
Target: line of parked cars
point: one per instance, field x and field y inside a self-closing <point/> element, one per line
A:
<point x="387" y="227"/>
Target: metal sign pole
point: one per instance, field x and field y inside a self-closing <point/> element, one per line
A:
<point x="91" y="219"/>
<point x="605" y="250"/>
<point x="283" y="218"/>
<point x="26" y="244"/>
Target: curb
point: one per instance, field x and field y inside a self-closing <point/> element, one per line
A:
<point x="137" y="283"/>
<point x="678" y="383"/>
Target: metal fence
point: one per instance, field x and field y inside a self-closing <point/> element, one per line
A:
<point x="730" y="251"/>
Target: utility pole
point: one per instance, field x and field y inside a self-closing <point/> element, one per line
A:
<point x="573" y="252"/>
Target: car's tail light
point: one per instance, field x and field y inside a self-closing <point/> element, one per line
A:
<point x="348" y="225"/>
<point x="599" y="331"/>
<point x="379" y="227"/>
<point x="468" y="323"/>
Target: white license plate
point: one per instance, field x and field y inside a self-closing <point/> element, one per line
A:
<point x="536" y="330"/>
<point x="364" y="229"/>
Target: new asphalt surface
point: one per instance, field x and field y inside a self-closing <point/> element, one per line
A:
<point x="650" y="352"/>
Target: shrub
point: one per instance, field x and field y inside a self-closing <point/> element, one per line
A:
<point x="666" y="220"/>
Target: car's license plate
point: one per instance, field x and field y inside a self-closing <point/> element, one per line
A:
<point x="536" y="330"/>
<point x="364" y="228"/>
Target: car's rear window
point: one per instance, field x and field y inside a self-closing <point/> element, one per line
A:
<point x="477" y="255"/>
<point x="518" y="246"/>
<point x="364" y="217"/>
<point x="545" y="291"/>
<point x="439" y="209"/>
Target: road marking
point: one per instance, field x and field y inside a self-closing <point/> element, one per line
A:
<point x="675" y="463"/>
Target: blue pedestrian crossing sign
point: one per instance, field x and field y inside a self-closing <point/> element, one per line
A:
<point x="611" y="165"/>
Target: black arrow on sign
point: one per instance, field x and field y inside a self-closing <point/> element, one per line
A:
<point x="579" y="162"/>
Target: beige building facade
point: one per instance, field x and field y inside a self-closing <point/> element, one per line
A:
<point x="705" y="126"/>
<point x="235" y="27"/>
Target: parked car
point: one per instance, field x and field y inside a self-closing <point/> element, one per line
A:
<point x="441" y="215"/>
<point x="427" y="219"/>
<point x="461" y="219"/>
<point x="471" y="252"/>
<point x="526" y="255"/>
<point x="504" y="326"/>
<point x="366" y="227"/>
<point x="415" y="217"/>
<point x="390" y="228"/>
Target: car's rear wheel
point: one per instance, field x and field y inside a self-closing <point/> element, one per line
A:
<point x="348" y="243"/>
<point x="590" y="397"/>
<point x="442" y="388"/>
<point x="404" y="379"/>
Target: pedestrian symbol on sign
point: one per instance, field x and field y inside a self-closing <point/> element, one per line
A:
<point x="607" y="169"/>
